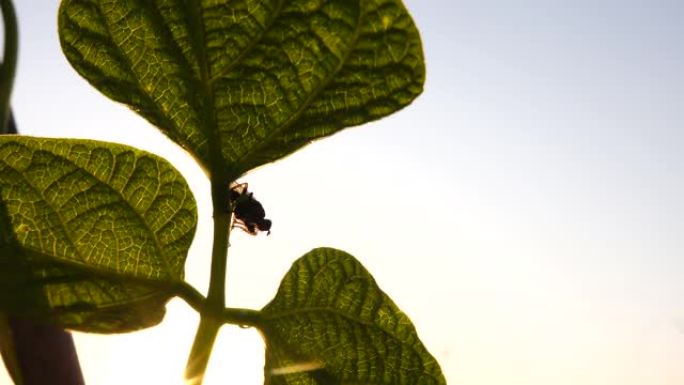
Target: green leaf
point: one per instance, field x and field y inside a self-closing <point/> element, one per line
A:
<point x="93" y="235"/>
<point x="331" y="324"/>
<point x="240" y="83"/>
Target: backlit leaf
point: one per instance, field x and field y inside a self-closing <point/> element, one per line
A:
<point x="93" y="235"/>
<point x="240" y="83"/>
<point x="331" y="324"/>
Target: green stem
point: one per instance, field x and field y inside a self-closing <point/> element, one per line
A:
<point x="212" y="313"/>
<point x="8" y="351"/>
<point x="222" y="217"/>
<point x="242" y="317"/>
<point x="201" y="350"/>
<point x="9" y="60"/>
<point x="191" y="296"/>
<point x="235" y="316"/>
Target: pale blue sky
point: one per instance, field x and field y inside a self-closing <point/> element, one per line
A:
<point x="525" y="211"/>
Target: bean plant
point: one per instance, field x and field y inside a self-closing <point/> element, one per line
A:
<point x="94" y="235"/>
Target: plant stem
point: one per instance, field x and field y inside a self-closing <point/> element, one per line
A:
<point x="201" y="349"/>
<point x="222" y="217"/>
<point x="191" y="296"/>
<point x="46" y="353"/>
<point x="211" y="315"/>
<point x="8" y="351"/>
<point x="9" y="61"/>
<point x="242" y="317"/>
<point x="235" y="316"/>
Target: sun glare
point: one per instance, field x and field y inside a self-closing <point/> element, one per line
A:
<point x="237" y="358"/>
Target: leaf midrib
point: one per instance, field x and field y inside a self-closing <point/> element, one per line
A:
<point x="169" y="288"/>
<point x="91" y="275"/>
<point x="208" y="114"/>
<point x="212" y="132"/>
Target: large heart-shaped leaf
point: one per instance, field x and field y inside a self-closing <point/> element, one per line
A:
<point x="240" y="83"/>
<point x="331" y="324"/>
<point x="93" y="235"/>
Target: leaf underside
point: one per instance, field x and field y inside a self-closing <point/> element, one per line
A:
<point x="240" y="83"/>
<point x="331" y="324"/>
<point x="93" y="235"/>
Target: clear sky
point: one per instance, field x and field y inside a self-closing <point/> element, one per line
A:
<point x="525" y="211"/>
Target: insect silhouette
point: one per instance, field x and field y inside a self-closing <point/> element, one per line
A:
<point x="249" y="213"/>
